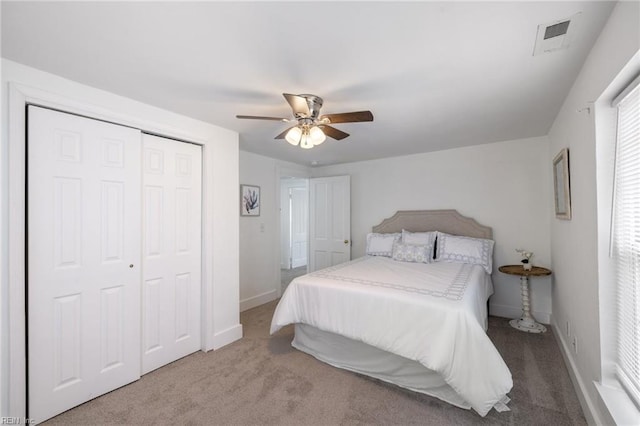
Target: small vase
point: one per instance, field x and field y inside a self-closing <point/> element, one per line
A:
<point x="527" y="266"/>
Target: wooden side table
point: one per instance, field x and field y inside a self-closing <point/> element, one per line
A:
<point x="527" y="322"/>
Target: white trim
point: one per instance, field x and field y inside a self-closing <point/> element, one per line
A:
<point x="21" y="95"/>
<point x="261" y="299"/>
<point x="588" y="406"/>
<point x="628" y="89"/>
<point x="16" y="263"/>
<point x="227" y="336"/>
<point x="507" y="311"/>
<point x="302" y="173"/>
<point x="621" y="407"/>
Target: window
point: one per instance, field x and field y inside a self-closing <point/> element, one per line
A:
<point x="626" y="238"/>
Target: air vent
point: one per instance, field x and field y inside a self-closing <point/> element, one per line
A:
<point x="556" y="30"/>
<point x="555" y="35"/>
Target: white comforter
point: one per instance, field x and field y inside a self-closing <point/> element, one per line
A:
<point x="430" y="313"/>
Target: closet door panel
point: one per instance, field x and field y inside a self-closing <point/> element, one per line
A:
<point x="172" y="184"/>
<point x="83" y="259"/>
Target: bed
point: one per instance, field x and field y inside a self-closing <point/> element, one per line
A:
<point x="392" y="315"/>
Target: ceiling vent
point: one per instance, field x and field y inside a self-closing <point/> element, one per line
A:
<point x="556" y="30"/>
<point x="555" y="35"/>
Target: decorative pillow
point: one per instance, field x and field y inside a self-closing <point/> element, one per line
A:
<point x="422" y="238"/>
<point x="381" y="244"/>
<point x="476" y="251"/>
<point x="418" y="253"/>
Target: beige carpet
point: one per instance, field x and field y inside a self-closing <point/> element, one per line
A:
<point x="263" y="380"/>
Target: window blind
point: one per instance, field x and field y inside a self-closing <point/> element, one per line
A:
<point x="626" y="242"/>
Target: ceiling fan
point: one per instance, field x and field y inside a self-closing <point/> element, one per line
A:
<point x="311" y="128"/>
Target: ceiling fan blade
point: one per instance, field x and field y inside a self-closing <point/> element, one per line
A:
<point x="283" y="134"/>
<point x="348" y="117"/>
<point x="334" y="133"/>
<point x="298" y="104"/>
<point x="256" y="117"/>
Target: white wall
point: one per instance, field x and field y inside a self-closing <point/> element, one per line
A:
<point x="574" y="243"/>
<point x="260" y="236"/>
<point x="220" y="201"/>
<point x="505" y="185"/>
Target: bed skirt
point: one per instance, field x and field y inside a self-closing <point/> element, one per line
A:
<point x="365" y="359"/>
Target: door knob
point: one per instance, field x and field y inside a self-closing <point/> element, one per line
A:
<point x="131" y="265"/>
<point x="346" y="241"/>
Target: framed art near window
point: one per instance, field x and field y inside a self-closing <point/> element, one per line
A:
<point x="561" y="187"/>
<point x="249" y="200"/>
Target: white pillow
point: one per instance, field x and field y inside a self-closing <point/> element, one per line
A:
<point x="421" y="238"/>
<point x="418" y="253"/>
<point x="381" y="244"/>
<point x="476" y="251"/>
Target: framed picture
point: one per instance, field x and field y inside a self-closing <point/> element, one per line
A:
<point x="249" y="200"/>
<point x="561" y="187"/>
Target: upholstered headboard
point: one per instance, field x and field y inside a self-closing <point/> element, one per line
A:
<point x="448" y="221"/>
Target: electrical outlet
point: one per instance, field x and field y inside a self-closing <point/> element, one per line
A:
<point x="575" y="345"/>
<point x="568" y="329"/>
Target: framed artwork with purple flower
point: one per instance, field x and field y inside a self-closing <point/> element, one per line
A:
<point x="249" y="200"/>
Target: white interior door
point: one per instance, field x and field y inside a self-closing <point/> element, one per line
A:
<point x="83" y="214"/>
<point x="299" y="206"/>
<point x="172" y="181"/>
<point x="329" y="221"/>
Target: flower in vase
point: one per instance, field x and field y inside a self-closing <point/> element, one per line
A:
<point x="525" y="257"/>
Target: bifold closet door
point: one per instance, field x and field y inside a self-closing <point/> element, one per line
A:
<point x="84" y="254"/>
<point x="172" y="182"/>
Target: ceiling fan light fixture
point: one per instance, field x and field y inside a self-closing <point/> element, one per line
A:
<point x="312" y="128"/>
<point x="317" y="135"/>
<point x="294" y="135"/>
<point x="306" y="136"/>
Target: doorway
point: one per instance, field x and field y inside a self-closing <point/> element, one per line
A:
<point x="294" y="228"/>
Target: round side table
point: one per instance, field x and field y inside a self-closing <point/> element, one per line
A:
<point x="527" y="322"/>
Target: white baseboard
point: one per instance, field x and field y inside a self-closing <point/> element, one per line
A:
<point x="258" y="300"/>
<point x="588" y="407"/>
<point x="227" y="336"/>
<point x="507" y="311"/>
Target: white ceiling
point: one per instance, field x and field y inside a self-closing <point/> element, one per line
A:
<point x="436" y="75"/>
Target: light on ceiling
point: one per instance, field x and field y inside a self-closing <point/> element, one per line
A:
<point x="306" y="142"/>
<point x="317" y="135"/>
<point x="293" y="136"/>
<point x="306" y="136"/>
